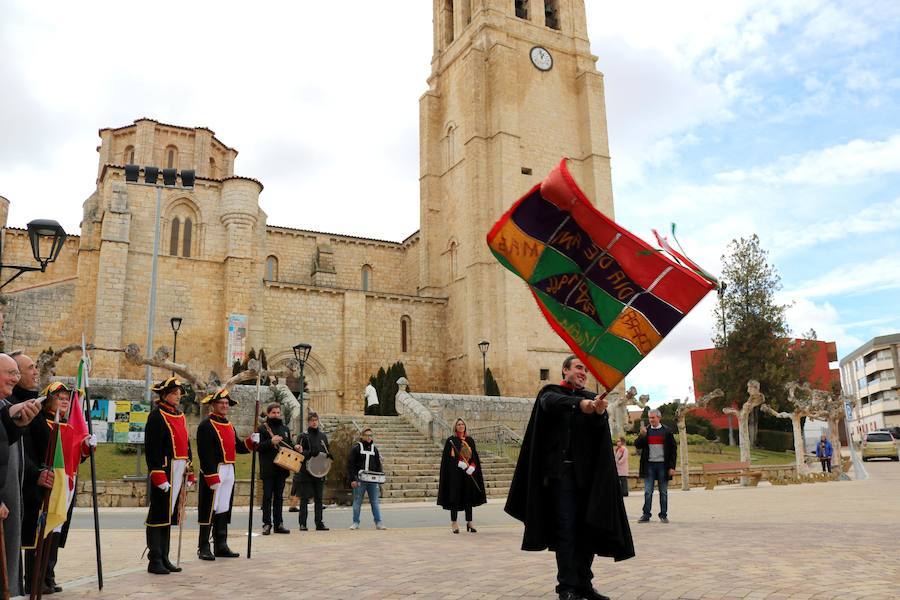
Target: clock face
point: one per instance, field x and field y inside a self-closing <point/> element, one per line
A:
<point x="541" y="58"/>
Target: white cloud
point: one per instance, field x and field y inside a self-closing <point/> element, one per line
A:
<point x="825" y="319"/>
<point x="853" y="278"/>
<point x="875" y="218"/>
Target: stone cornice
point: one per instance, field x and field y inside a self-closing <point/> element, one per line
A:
<point x="304" y="287"/>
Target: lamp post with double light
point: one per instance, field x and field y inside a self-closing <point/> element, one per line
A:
<point x="169" y="181"/>
<point x="301" y="353"/>
<point x="483" y="345"/>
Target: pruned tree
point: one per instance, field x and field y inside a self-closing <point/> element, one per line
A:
<point x="800" y="397"/>
<point x="755" y="398"/>
<point x="618" y="409"/>
<point x="682" y="410"/>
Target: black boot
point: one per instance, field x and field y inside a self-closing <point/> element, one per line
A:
<point x="167" y="542"/>
<point x="220" y="531"/>
<point x="155" y="551"/>
<point x="204" y="552"/>
<point x="29" y="573"/>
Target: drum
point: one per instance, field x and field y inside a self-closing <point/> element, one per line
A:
<point x="371" y="476"/>
<point x="318" y="465"/>
<point x="289" y="459"/>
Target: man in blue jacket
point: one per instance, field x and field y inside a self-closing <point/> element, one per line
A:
<point x="824" y="452"/>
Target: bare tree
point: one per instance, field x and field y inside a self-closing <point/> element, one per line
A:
<point x="681" y="412"/>
<point x="618" y="409"/>
<point x="754" y="398"/>
<point x="801" y="397"/>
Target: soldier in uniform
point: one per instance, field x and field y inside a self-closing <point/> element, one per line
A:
<point x="168" y="455"/>
<point x="217" y="447"/>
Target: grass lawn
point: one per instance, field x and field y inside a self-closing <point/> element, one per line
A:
<point x="113" y="465"/>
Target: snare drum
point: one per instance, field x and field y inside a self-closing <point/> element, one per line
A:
<point x="371" y="476"/>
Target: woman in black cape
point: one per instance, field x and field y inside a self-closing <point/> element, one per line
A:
<point x="462" y="484"/>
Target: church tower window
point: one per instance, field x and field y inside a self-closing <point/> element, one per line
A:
<point x="522" y="9"/>
<point x="453" y="252"/>
<point x="450" y="146"/>
<point x="213" y="170"/>
<point x="174" y="235"/>
<point x="366" y="278"/>
<point x="128" y="156"/>
<point x="171" y="157"/>
<point x="447" y="14"/>
<point x="551" y="13"/>
<point x="186" y="244"/>
<point x="271" y="269"/>
<point x="405" y="333"/>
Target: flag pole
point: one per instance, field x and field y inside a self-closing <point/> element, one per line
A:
<point x="253" y="467"/>
<point x="85" y="367"/>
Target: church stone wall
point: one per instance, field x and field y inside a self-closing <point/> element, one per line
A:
<point x="41" y="317"/>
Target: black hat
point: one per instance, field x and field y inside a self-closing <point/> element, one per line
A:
<point x="219" y="395"/>
<point x="163" y="387"/>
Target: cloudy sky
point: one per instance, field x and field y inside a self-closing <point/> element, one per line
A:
<point x="727" y="118"/>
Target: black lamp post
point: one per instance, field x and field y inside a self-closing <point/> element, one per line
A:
<point x="483" y="345"/>
<point x="39" y="230"/>
<point x="176" y="325"/>
<point x="301" y="353"/>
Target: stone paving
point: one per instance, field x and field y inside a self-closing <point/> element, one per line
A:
<point x="834" y="540"/>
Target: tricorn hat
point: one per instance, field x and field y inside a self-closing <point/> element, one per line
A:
<point x="163" y="387"/>
<point x="55" y="388"/>
<point x="219" y="395"/>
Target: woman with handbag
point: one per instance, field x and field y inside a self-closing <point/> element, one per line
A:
<point x="461" y="485"/>
<point x="273" y="435"/>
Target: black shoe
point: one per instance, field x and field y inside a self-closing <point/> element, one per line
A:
<point x="593" y="594"/>
<point x="644" y="519"/>
<point x="267" y="529"/>
<point x="281" y="529"/>
<point x="570" y="596"/>
<point x="321" y="527"/>
<point x="293" y="509"/>
<point x="204" y="552"/>
<point x="156" y="567"/>
<point x="664" y="519"/>
<point x="166" y="535"/>
<point x="303" y="528"/>
<point x="471" y="529"/>
<point x="220" y="535"/>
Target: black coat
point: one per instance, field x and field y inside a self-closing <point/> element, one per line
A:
<point x="357" y="460"/>
<point x="267" y="450"/>
<point x="670" y="450"/>
<point x="217" y="443"/>
<point x="557" y="425"/>
<point x="164" y="426"/>
<point x="312" y="443"/>
<point x="458" y="490"/>
<point x="9" y="435"/>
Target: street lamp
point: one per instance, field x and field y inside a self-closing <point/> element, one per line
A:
<point x="151" y="179"/>
<point x="722" y="287"/>
<point x="176" y="325"/>
<point x="39" y="230"/>
<point x="483" y="345"/>
<point x="301" y="353"/>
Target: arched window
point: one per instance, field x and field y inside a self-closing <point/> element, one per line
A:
<point x="128" y="156"/>
<point x="551" y="13"/>
<point x="171" y="157"/>
<point x="366" y="278"/>
<point x="522" y="9"/>
<point x="450" y="146"/>
<point x="188" y="229"/>
<point x="448" y="22"/>
<point x="405" y="333"/>
<point x="213" y="171"/>
<point x="271" y="269"/>
<point x="174" y="235"/>
<point x="453" y="253"/>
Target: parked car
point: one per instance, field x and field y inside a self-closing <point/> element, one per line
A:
<point x="879" y="444"/>
<point x="895" y="431"/>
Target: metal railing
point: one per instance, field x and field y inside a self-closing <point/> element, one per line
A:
<point x="498" y="439"/>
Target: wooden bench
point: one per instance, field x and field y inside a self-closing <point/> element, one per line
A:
<point x="712" y="471"/>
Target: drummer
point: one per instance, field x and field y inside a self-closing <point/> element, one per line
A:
<point x="273" y="435"/>
<point x="313" y="443"/>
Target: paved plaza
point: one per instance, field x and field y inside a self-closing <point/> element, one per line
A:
<point x="823" y="540"/>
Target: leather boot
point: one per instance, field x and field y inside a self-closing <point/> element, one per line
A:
<point x="155" y="551"/>
<point x="29" y="573"/>
<point x="220" y="531"/>
<point x="167" y="542"/>
<point x="204" y="552"/>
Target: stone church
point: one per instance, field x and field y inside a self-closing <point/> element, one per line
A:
<point x="513" y="88"/>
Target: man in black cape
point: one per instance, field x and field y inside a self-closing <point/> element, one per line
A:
<point x="565" y="488"/>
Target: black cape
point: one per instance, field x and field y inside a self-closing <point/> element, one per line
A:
<point x="457" y="490"/>
<point x="529" y="501"/>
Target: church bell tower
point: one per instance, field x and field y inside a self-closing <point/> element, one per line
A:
<point x="513" y="89"/>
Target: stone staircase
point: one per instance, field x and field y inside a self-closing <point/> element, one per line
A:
<point x="412" y="462"/>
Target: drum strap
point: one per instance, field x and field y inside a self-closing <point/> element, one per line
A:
<point x="368" y="453"/>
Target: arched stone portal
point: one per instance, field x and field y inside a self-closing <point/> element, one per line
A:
<point x="320" y="393"/>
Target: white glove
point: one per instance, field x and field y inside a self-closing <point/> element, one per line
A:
<point x="214" y="486"/>
<point x="470" y="470"/>
<point x="165" y="486"/>
<point x="462" y="465"/>
<point x="92" y="440"/>
<point x="254" y="437"/>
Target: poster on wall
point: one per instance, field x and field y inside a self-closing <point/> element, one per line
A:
<point x="119" y="421"/>
<point x="237" y="335"/>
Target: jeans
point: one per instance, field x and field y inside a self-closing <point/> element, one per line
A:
<point x="656" y="472"/>
<point x="273" y="494"/>
<point x="574" y="555"/>
<point x="373" y="490"/>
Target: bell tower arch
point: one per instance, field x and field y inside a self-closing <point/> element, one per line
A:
<point x="517" y="81"/>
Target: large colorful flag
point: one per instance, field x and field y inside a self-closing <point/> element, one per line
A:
<point x="608" y="294"/>
<point x="59" y="496"/>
